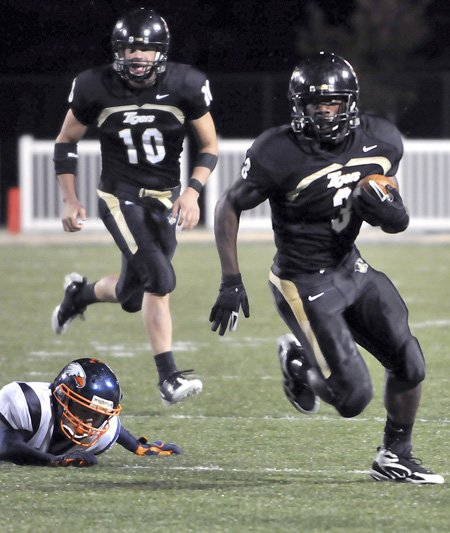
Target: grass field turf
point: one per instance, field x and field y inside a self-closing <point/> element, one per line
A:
<point x="251" y="462"/>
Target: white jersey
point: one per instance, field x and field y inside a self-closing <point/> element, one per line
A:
<point x="27" y="406"/>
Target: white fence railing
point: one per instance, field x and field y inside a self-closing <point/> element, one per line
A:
<point x="39" y="191"/>
<point x="424" y="178"/>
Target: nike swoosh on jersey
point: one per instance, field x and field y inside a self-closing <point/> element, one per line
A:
<point x="368" y="148"/>
<point x="312" y="298"/>
<point x="159" y="96"/>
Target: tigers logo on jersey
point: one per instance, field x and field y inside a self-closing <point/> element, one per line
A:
<point x="132" y="117"/>
<point x="76" y="370"/>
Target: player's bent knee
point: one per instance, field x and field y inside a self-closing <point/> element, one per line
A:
<point x="162" y="285"/>
<point x="132" y="305"/>
<point x="410" y="363"/>
<point x="355" y="401"/>
<point x="157" y="276"/>
<point x="353" y="391"/>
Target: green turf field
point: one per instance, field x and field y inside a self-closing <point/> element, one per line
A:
<point x="251" y="462"/>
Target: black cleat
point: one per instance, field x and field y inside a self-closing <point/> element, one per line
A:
<point x="295" y="380"/>
<point x="67" y="310"/>
<point x="389" y="466"/>
<point x="177" y="387"/>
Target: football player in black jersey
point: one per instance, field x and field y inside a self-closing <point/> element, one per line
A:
<point x="141" y="106"/>
<point x="326" y="293"/>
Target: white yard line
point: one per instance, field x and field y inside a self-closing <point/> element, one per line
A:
<point x="288" y="418"/>
<point x="267" y="470"/>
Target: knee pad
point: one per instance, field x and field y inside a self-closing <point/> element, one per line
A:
<point x="353" y="391"/>
<point x="356" y="399"/>
<point x="156" y="273"/>
<point x="409" y="364"/>
<point x="133" y="304"/>
<point x="162" y="283"/>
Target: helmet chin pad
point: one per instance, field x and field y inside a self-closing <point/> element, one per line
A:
<point x="322" y="127"/>
<point x="138" y="71"/>
<point x="80" y="432"/>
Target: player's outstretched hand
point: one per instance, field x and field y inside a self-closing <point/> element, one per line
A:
<point x="156" y="448"/>
<point x="232" y="296"/>
<point x="77" y="458"/>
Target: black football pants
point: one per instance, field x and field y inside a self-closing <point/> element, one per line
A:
<point x="348" y="304"/>
<point x="145" y="234"/>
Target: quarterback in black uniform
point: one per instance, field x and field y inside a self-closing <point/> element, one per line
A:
<point x="327" y="294"/>
<point x="69" y="421"/>
<point x="141" y="106"/>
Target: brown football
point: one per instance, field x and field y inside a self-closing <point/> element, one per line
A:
<point x="380" y="180"/>
<point x="377" y="182"/>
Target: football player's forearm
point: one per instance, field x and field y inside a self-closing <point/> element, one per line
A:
<point x="226" y="226"/>
<point x="127" y="440"/>
<point x="67" y="186"/>
<point x="21" y="453"/>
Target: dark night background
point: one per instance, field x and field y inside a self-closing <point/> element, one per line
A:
<point x="399" y="48"/>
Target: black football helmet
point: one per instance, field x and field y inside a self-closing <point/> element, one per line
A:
<point x="143" y="29"/>
<point x="324" y="79"/>
<point x="88" y="395"/>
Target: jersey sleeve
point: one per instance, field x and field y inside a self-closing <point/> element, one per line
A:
<point x="81" y="99"/>
<point x="258" y="168"/>
<point x="392" y="136"/>
<point x="14" y="411"/>
<point x="197" y="94"/>
<point x="389" y="135"/>
<point x="398" y="152"/>
<point x="109" y="438"/>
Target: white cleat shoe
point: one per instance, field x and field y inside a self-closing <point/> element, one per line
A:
<point x="391" y="467"/>
<point x="177" y="387"/>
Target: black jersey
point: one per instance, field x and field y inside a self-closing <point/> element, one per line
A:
<point x="141" y="131"/>
<point x="310" y="189"/>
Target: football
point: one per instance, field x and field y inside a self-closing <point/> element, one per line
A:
<point x="377" y="183"/>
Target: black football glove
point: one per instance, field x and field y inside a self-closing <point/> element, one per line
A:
<point x="78" y="458"/>
<point x="232" y="297"/>
<point x="376" y="209"/>
<point x="156" y="448"/>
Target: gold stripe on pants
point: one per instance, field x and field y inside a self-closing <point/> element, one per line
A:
<point x="290" y="293"/>
<point x="114" y="206"/>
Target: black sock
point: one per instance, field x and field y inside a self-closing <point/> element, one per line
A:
<point x="86" y="296"/>
<point x="397" y="437"/>
<point x="165" y="365"/>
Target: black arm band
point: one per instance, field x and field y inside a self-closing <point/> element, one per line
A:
<point x="65" y="158"/>
<point x="204" y="159"/>
<point x="195" y="184"/>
